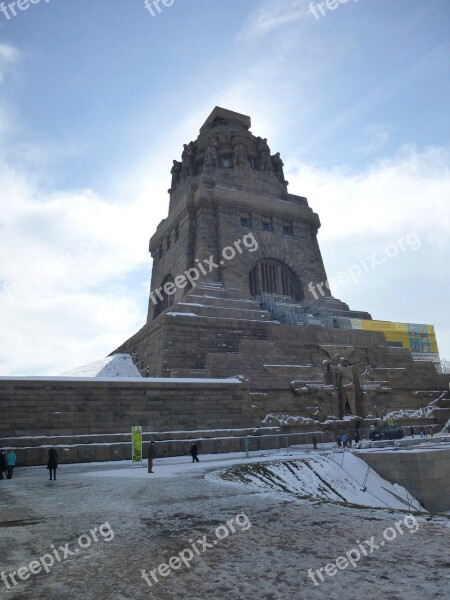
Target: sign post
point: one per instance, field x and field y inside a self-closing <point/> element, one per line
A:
<point x="136" y="439"/>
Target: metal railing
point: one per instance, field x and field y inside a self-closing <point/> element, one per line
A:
<point x="287" y="444"/>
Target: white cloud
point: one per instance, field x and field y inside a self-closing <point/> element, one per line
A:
<point x="67" y="260"/>
<point x="272" y="15"/>
<point x="8" y="56"/>
<point x="377" y="136"/>
<point x="404" y="195"/>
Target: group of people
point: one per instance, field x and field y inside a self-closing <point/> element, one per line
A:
<point x="151" y="454"/>
<point x="7" y="463"/>
<point x="423" y="432"/>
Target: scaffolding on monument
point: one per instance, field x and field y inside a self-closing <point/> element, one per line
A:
<point x="282" y="310"/>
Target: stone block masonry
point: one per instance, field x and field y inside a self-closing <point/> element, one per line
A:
<point x="424" y="472"/>
<point x="58" y="406"/>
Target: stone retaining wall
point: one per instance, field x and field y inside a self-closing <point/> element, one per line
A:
<point x="425" y="473"/>
<point x="52" y="406"/>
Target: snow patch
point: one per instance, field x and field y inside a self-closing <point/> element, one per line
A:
<point x="117" y="365"/>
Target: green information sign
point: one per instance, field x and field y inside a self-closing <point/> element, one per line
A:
<point x="136" y="438"/>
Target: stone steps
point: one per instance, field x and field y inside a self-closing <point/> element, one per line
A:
<point x="224" y="311"/>
<point x="214" y="300"/>
<point x="33" y="451"/>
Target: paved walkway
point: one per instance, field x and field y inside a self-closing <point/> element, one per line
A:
<point x="144" y="521"/>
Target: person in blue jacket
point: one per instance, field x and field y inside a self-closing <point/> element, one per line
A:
<point x="11" y="459"/>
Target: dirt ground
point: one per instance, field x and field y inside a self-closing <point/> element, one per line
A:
<point x="269" y="540"/>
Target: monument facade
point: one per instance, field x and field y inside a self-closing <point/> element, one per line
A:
<point x="236" y="269"/>
<point x="241" y="331"/>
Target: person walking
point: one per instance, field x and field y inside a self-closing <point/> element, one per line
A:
<point x="411" y="431"/>
<point x="151" y="455"/>
<point x="52" y="463"/>
<point x="194" y="452"/>
<point x="11" y="459"/>
<point x="2" y="463"/>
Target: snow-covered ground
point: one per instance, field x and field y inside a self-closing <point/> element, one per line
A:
<point x="342" y="478"/>
<point x="274" y="536"/>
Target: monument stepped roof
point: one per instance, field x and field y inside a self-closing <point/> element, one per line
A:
<point x="220" y="113"/>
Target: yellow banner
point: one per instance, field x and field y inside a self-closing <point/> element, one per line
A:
<point x="136" y="439"/>
<point x="418" y="338"/>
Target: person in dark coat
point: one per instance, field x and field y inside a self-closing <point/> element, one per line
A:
<point x="52" y="463"/>
<point x="194" y="453"/>
<point x="151" y="455"/>
<point x="411" y="431"/>
<point x="2" y="463"/>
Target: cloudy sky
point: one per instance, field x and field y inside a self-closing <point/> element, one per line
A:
<point x="98" y="96"/>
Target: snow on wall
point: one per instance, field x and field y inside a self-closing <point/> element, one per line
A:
<point x="117" y="365"/>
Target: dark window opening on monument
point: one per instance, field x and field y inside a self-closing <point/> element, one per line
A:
<point x="251" y="163"/>
<point x="168" y="242"/>
<point x="273" y="278"/>
<point x="287" y="228"/>
<point x="267" y="224"/>
<point x="226" y="162"/>
<point x="167" y="300"/>
<point x="177" y="233"/>
<point x="246" y="219"/>
<point x="218" y="121"/>
<point x="199" y="168"/>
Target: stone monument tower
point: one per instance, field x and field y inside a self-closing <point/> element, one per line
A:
<point x="234" y="290"/>
<point x="226" y="185"/>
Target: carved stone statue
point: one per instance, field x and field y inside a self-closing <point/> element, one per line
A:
<point x="344" y="383"/>
<point x="175" y="172"/>
<point x="278" y="165"/>
<point x="265" y="160"/>
<point x="240" y="152"/>
<point x="211" y="156"/>
<point x="187" y="161"/>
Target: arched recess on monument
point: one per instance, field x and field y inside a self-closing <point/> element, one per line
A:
<point x="275" y="277"/>
<point x="166" y="301"/>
